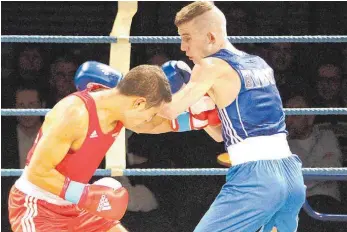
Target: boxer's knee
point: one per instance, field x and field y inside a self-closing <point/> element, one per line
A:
<point x="109" y="182"/>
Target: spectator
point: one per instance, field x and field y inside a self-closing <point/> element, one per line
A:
<point x="329" y="94"/>
<point x="158" y="59"/>
<point x="328" y="84"/>
<point x="281" y="59"/>
<point x="31" y="63"/>
<point x="156" y="55"/>
<point x="62" y="75"/>
<point x="316" y="147"/>
<point x="28" y="66"/>
<point x="21" y="135"/>
<point x="329" y="88"/>
<point x="27" y="97"/>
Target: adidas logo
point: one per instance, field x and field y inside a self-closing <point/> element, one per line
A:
<point x="104" y="204"/>
<point x="93" y="135"/>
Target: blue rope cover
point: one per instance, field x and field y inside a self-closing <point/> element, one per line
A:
<point x="290" y="111"/>
<point x="309" y="173"/>
<point x="169" y="39"/>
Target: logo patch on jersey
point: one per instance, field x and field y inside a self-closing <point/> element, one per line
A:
<point x="247" y="75"/>
<point x="258" y="78"/>
<point x="93" y="135"/>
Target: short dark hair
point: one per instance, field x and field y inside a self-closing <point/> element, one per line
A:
<point x="146" y="81"/>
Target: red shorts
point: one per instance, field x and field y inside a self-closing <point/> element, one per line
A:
<point x="29" y="214"/>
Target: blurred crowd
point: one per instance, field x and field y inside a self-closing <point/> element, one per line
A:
<point x="307" y="75"/>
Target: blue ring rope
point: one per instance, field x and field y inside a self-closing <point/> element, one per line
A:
<point x="288" y="111"/>
<point x="310" y="173"/>
<point x="169" y="39"/>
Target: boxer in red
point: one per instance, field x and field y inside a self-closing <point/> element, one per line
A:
<point x="53" y="193"/>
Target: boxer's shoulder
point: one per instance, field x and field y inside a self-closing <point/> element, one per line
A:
<point x="69" y="114"/>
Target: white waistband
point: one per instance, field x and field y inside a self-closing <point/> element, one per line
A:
<point x="25" y="186"/>
<point x="259" y="148"/>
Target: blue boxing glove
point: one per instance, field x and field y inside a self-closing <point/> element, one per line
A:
<point x="177" y="73"/>
<point x="94" y="72"/>
<point x="203" y="113"/>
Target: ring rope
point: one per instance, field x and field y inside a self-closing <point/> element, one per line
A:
<point x="192" y="171"/>
<point x="288" y="111"/>
<point x="169" y="39"/>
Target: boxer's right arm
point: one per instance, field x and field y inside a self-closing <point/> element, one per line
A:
<point x="63" y="125"/>
<point x="58" y="133"/>
<point x="157" y="125"/>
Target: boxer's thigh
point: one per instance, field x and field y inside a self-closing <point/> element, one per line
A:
<point x="27" y="213"/>
<point x="286" y="219"/>
<point x="87" y="222"/>
<point x="249" y="199"/>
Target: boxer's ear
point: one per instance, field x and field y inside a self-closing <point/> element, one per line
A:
<point x="140" y="103"/>
<point x="211" y="37"/>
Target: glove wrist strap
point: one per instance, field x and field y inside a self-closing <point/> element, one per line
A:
<point x="72" y="191"/>
<point x="183" y="122"/>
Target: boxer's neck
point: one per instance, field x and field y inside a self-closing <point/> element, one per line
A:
<point x="111" y="102"/>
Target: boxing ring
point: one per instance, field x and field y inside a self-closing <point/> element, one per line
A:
<point x="121" y="41"/>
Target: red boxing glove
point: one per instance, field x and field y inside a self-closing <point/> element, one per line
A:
<point x="200" y="115"/>
<point x="205" y="110"/>
<point x="213" y="118"/>
<point x="103" y="201"/>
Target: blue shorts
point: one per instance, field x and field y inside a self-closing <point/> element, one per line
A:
<point x="259" y="194"/>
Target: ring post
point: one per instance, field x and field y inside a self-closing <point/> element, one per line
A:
<point x="120" y="60"/>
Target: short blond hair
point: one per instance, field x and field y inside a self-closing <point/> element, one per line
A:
<point x="191" y="11"/>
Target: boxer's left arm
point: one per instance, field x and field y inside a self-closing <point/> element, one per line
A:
<point x="203" y="77"/>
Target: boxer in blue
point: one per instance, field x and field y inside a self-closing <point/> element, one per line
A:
<point x="264" y="187"/>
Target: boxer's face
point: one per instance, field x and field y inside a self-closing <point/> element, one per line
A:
<point x="139" y="114"/>
<point x="194" y="43"/>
